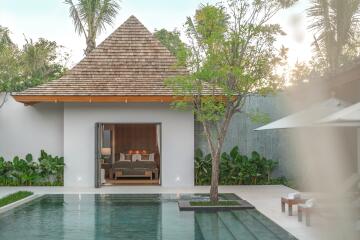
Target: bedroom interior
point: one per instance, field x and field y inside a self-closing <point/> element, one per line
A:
<point x="130" y="154"/>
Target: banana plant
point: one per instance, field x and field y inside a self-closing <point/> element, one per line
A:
<point x="202" y="168"/>
<point x="48" y="170"/>
<point x="51" y="166"/>
<point x="270" y="165"/>
<point x="235" y="168"/>
<point x="5" y="171"/>
<point x="25" y="170"/>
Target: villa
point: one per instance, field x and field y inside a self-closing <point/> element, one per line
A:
<point x="267" y="148"/>
<point x="109" y="116"/>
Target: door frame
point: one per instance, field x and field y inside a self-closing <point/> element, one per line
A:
<point x="98" y="136"/>
<point x="98" y="132"/>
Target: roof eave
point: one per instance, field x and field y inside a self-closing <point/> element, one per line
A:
<point x="33" y="99"/>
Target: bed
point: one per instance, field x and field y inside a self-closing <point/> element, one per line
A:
<point x="128" y="168"/>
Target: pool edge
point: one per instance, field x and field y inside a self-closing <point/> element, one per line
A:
<point x="19" y="203"/>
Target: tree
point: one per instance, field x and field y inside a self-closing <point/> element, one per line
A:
<point x="90" y="18"/>
<point x="335" y="24"/>
<point x="36" y="63"/>
<point x="172" y="41"/>
<point x="300" y="73"/>
<point x="5" y="39"/>
<point x="43" y="60"/>
<point x="9" y="67"/>
<point x="231" y="56"/>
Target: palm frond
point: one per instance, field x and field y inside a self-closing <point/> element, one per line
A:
<point x="87" y="12"/>
<point x="77" y="20"/>
<point x="346" y="13"/>
<point x="90" y="17"/>
<point x="106" y="14"/>
<point x="335" y="24"/>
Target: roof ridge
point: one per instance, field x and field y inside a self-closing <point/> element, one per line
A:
<point x="126" y="22"/>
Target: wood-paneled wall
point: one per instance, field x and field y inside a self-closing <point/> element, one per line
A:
<point x="135" y="137"/>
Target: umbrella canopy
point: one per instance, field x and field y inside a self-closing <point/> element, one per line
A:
<point x="308" y="117"/>
<point x="349" y="116"/>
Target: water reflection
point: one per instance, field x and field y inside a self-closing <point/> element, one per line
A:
<point x="142" y="217"/>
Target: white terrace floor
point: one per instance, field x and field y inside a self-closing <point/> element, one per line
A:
<point x="266" y="199"/>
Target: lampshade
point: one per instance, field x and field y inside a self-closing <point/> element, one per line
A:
<point x="106" y="151"/>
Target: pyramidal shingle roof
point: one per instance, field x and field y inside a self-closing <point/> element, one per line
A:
<point x="130" y="62"/>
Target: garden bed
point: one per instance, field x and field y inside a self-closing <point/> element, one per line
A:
<point x="14" y="197"/>
<point x="222" y="205"/>
<point x="17" y="199"/>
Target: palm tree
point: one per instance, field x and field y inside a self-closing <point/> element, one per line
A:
<point x="335" y="24"/>
<point x="90" y="18"/>
<point x="5" y="39"/>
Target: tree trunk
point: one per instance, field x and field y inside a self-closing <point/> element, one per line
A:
<point x="215" y="169"/>
<point x="215" y="148"/>
<point x="90" y="45"/>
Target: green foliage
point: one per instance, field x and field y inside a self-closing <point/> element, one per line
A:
<point x="202" y="168"/>
<point x="35" y="63"/>
<point x="5" y="39"/>
<point x="48" y="170"/>
<point x="219" y="203"/>
<point x="51" y="166"/>
<point x="300" y="73"/>
<point x="11" y="198"/>
<point x="90" y="18"/>
<point x="236" y="169"/>
<point x="259" y="117"/>
<point x="231" y="54"/>
<point x="172" y="41"/>
<point x="335" y="25"/>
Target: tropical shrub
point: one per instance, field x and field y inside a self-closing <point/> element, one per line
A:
<point x="47" y="171"/>
<point x="202" y="168"/>
<point x="236" y="168"/>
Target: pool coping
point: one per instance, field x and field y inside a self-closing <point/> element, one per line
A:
<point x="184" y="205"/>
<point x="19" y="203"/>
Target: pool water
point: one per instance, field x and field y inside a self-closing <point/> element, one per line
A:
<point x="118" y="216"/>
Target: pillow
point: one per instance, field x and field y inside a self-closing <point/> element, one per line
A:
<point x="150" y="158"/>
<point x="310" y="203"/>
<point x="122" y="158"/>
<point x="136" y="157"/>
<point x="294" y="196"/>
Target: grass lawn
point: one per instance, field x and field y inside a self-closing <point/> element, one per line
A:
<point x="219" y="203"/>
<point x="14" y="197"/>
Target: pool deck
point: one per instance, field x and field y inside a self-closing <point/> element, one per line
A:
<point x="266" y="199"/>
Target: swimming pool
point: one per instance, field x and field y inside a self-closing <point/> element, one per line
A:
<point x="123" y="216"/>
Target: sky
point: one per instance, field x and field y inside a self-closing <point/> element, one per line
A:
<point x="50" y="19"/>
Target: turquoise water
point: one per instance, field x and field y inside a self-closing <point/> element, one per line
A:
<point x="118" y="216"/>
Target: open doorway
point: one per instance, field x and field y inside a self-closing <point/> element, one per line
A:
<point x="128" y="154"/>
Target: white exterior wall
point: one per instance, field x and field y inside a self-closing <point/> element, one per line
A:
<point x="177" y="162"/>
<point x="28" y="129"/>
<point x="358" y="149"/>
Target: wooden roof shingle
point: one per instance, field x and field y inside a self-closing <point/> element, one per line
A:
<point x="130" y="62"/>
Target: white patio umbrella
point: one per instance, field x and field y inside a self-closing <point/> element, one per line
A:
<point x="309" y="117"/>
<point x="348" y="117"/>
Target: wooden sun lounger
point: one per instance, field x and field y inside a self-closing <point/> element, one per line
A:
<point x="290" y="203"/>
